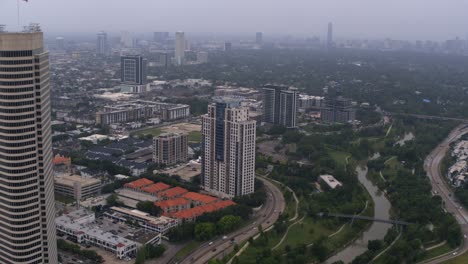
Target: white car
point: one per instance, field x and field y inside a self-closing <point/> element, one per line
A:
<point x="454" y="253"/>
<point x="224" y="237"/>
<point x="211" y="243"/>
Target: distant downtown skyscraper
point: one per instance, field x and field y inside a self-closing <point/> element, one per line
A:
<point x="280" y="105"/>
<point x="59" y="41"/>
<point x="133" y="69"/>
<point x="102" y="47"/>
<point x="179" y="48"/>
<point x="228" y="166"/>
<point x="330" y="35"/>
<point x="259" y="38"/>
<point x="27" y="229"/>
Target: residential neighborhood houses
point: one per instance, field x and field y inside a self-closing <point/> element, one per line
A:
<point x="458" y="172"/>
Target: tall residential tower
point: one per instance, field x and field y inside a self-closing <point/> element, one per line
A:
<point x="228" y="167"/>
<point x="280" y="105"/>
<point x="179" y="48"/>
<point x="102" y="47"/>
<point x="27" y="229"/>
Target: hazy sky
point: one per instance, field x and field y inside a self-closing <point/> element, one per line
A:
<point x="404" y="19"/>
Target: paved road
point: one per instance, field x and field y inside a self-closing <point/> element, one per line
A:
<point x="266" y="217"/>
<point x="439" y="186"/>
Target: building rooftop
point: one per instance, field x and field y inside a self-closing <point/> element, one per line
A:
<point x="330" y="181"/>
<point x="138" y="183"/>
<point x="173" y="192"/>
<point x="155" y="188"/>
<point x="172" y="203"/>
<point x="162" y="220"/>
<point x="200" y="197"/>
<point x="70" y="180"/>
<point x="199" y="210"/>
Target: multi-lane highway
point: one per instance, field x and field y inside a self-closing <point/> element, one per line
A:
<point x="265" y="217"/>
<point x="441" y="188"/>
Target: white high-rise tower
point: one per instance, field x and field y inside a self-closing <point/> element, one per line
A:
<point x="27" y="229"/>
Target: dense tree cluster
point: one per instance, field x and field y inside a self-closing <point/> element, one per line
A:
<point x="75" y="249"/>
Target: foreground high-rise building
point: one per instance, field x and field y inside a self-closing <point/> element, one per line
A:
<point x="280" y="105"/>
<point x="27" y="229"/>
<point x="337" y="109"/>
<point x="101" y="43"/>
<point x="179" y="48"/>
<point x="133" y="69"/>
<point x="228" y="167"/>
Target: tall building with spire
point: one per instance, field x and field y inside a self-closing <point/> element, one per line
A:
<point x="228" y="166"/>
<point x="27" y="229"/>
<point x="179" y="48"/>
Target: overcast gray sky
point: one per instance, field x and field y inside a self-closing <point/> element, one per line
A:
<point x="404" y="19"/>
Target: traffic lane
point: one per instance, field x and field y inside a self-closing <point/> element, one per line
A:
<point x="207" y="252"/>
<point x="277" y="201"/>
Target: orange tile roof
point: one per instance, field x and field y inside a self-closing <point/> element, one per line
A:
<point x="157" y="187"/>
<point x="172" y="203"/>
<point x="138" y="183"/>
<point x="199" y="210"/>
<point x="60" y="160"/>
<point x="199" y="197"/>
<point x="173" y="192"/>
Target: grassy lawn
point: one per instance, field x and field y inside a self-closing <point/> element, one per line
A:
<point x="338" y="156"/>
<point x="195" y="136"/>
<point x="187" y="249"/>
<point x="150" y="131"/>
<point x="64" y="199"/>
<point x="438" y="251"/>
<point x="304" y="233"/>
<point x="462" y="259"/>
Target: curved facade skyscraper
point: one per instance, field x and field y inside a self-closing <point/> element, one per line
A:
<point x="27" y="229"/>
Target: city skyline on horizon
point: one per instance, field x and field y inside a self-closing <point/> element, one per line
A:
<point x="400" y="20"/>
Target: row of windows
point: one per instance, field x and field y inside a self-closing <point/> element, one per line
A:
<point x="15" y="62"/>
<point x="29" y="136"/>
<point x="32" y="201"/>
<point x="16" y="69"/>
<point x="17" y="144"/>
<point x="33" y="168"/>
<point x="16" y="53"/>
<point x="16" y="117"/>
<point x="19" y="197"/>
<point x="21" y="229"/>
<point x="19" y="164"/>
<point x="29" y="156"/>
<point x="23" y="260"/>
<point x="15" y="104"/>
<point x="16" y="96"/>
<point x="16" y="110"/>
<point x="17" y="151"/>
<point x="16" y="76"/>
<point x="16" y="90"/>
<point x="17" y="124"/>
<point x="17" y="83"/>
<point x="17" y="184"/>
<point x="18" y="216"/>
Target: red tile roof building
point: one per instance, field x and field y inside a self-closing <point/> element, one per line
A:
<point x="173" y="205"/>
<point x="153" y="189"/>
<point x="192" y="213"/>
<point x="138" y="184"/>
<point x="199" y="199"/>
<point x="172" y="193"/>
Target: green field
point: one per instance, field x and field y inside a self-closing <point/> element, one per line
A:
<point x="462" y="259"/>
<point x="195" y="136"/>
<point x="154" y="131"/>
<point x="438" y="251"/>
<point x="338" y="156"/>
